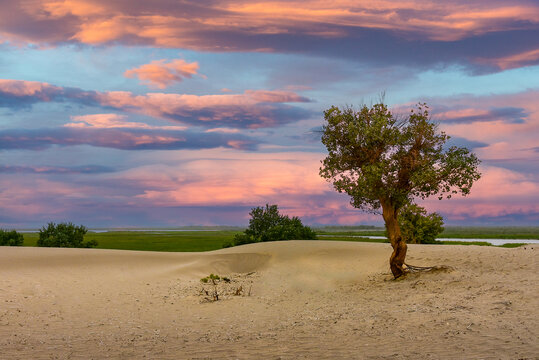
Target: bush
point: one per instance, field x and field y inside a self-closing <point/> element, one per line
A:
<point x="64" y="235"/>
<point x="419" y="228"/>
<point x="266" y="224"/>
<point x="10" y="238"/>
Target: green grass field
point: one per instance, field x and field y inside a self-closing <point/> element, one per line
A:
<point x="457" y="232"/>
<point x="343" y="233"/>
<point x="154" y="240"/>
<point x="195" y="241"/>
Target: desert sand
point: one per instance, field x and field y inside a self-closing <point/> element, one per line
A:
<point x="298" y="300"/>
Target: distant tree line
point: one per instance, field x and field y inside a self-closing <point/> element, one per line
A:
<point x="52" y="235"/>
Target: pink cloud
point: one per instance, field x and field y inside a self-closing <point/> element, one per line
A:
<point x="113" y="121"/>
<point x="499" y="192"/>
<point x="20" y="88"/>
<point x="223" y="130"/>
<point x="507" y="135"/>
<point x="161" y="74"/>
<point x="522" y="59"/>
<point x="242" y="179"/>
<point x="274" y="96"/>
<point x="207" y="181"/>
<point x="504" y="128"/>
<point x="456" y="115"/>
<point x="509" y="183"/>
<point x="251" y="109"/>
<point x="227" y="179"/>
<point x="25" y="196"/>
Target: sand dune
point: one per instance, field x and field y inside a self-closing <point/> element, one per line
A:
<point x="308" y="299"/>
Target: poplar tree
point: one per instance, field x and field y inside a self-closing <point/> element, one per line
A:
<point x="384" y="162"/>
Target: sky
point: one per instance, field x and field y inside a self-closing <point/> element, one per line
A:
<point x="135" y="113"/>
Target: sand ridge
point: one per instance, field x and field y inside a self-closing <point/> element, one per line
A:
<point x="309" y="299"/>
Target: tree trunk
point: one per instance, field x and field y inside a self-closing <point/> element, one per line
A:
<point x="396" y="261"/>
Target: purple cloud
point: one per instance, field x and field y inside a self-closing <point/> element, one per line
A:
<point x="507" y="114"/>
<point x="132" y="139"/>
<point x="88" y="169"/>
<point x="251" y="109"/>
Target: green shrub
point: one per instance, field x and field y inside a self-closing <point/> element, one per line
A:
<point x="242" y="239"/>
<point x="10" y="238"/>
<point x="266" y="224"/>
<point x="227" y="244"/>
<point x="418" y="227"/>
<point x="64" y="235"/>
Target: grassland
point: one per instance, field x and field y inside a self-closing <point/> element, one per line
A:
<point x="457" y="232"/>
<point x="361" y="234"/>
<point x="154" y="240"/>
<point x="213" y="238"/>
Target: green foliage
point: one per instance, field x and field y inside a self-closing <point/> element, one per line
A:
<point x="214" y="279"/>
<point x="266" y="224"/>
<point x="417" y="227"/>
<point x="227" y="244"/>
<point x="513" y="245"/>
<point x="10" y="238"/>
<point x="64" y="235"/>
<point x="375" y="157"/>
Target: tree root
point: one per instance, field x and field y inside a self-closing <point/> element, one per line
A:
<point x="414" y="268"/>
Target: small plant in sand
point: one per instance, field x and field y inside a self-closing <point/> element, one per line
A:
<point x="215" y="286"/>
<point x="213" y="280"/>
<point x="10" y="238"/>
<point x="64" y="235"/>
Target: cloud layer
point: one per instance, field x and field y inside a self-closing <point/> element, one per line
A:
<point x="89" y="169"/>
<point x="75" y="148"/>
<point x="252" y="109"/>
<point x="220" y="187"/>
<point x="422" y="33"/>
<point x="132" y="139"/>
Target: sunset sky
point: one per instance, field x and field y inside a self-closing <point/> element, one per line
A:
<point x="171" y="113"/>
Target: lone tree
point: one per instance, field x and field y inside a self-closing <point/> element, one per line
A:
<point x="266" y="224"/>
<point x="384" y="162"/>
<point x="64" y="235"/>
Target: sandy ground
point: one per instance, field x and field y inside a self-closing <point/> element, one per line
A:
<point x="308" y="300"/>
